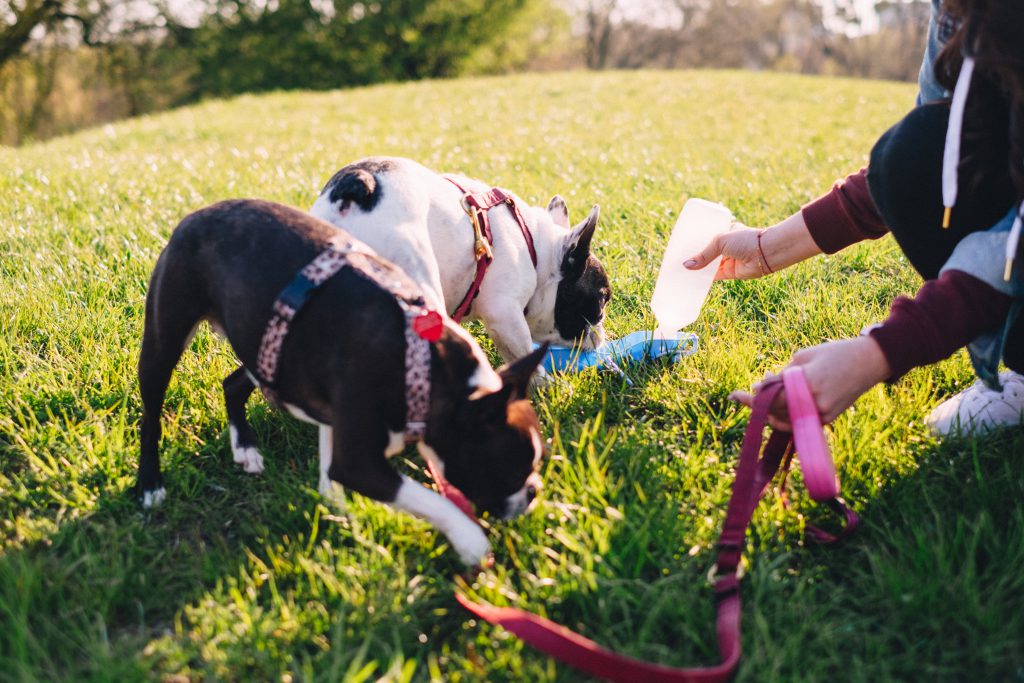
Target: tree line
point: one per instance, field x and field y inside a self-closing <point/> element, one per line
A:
<point x="65" y="64"/>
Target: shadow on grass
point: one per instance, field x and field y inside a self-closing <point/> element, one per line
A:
<point x="931" y="588"/>
<point x="100" y="577"/>
<point x="234" y="577"/>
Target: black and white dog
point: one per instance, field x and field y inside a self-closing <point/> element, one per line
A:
<point x="415" y="218"/>
<point x="343" y="366"/>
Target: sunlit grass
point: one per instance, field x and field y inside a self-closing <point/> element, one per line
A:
<point x="243" y="578"/>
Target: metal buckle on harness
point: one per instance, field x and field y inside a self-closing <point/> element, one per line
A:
<point x="481" y="247"/>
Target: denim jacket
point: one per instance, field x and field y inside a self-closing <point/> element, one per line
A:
<point x="940" y="30"/>
<point x="980" y="254"/>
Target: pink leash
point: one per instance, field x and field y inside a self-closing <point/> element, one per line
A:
<point x="756" y="469"/>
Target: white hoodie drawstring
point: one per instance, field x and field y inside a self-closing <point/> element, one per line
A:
<point x="951" y="162"/>
<point x="954" y="132"/>
<point x="1012" y="242"/>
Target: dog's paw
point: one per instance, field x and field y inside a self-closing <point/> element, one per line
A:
<point x="472" y="546"/>
<point x="245" y="455"/>
<point x="248" y="457"/>
<point x="152" y="499"/>
<point x="326" y="486"/>
<point x="332" y="491"/>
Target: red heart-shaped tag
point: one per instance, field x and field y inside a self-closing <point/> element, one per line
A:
<point x="428" y="326"/>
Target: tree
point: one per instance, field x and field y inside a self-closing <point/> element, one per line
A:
<point x="251" y="46"/>
<point x="600" y="23"/>
<point x="89" y="20"/>
<point x="68" y="63"/>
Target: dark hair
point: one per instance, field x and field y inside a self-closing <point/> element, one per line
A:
<point x="990" y="32"/>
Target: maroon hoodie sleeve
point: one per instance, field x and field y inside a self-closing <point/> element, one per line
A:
<point x="946" y="315"/>
<point x="845" y="215"/>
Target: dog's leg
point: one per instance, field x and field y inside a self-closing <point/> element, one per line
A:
<point x="508" y="329"/>
<point x="166" y="331"/>
<point x="154" y="375"/>
<point x="237" y="389"/>
<point x="467" y="538"/>
<point x="511" y="336"/>
<point x="330" y="490"/>
<point x="358" y="463"/>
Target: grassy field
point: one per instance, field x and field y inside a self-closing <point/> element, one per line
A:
<point x="243" y="578"/>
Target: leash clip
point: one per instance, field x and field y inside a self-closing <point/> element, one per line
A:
<point x="481" y="248"/>
<point x="714" y="577"/>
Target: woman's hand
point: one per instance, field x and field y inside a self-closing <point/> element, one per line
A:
<point x="781" y="246"/>
<point x="741" y="258"/>
<point x="837" y="373"/>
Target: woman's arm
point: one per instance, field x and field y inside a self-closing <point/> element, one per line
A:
<point x="845" y="215"/>
<point x="946" y="315"/>
<point x="743" y="258"/>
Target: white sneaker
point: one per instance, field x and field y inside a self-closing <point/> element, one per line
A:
<point x="978" y="410"/>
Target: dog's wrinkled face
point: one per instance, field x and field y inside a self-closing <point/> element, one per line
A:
<point x="494" y="457"/>
<point x="583" y="290"/>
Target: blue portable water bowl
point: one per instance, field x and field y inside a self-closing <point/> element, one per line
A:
<point x="638" y="347"/>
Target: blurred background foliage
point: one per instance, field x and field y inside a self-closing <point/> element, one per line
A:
<point x="66" y="64"/>
<point x="326" y="45"/>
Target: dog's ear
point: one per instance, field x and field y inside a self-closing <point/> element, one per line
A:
<point x="456" y="359"/>
<point x="577" y="244"/>
<point x="559" y="211"/>
<point x="489" y="408"/>
<point x="515" y="382"/>
<point x="516" y="376"/>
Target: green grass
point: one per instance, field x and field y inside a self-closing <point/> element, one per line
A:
<point x="243" y="578"/>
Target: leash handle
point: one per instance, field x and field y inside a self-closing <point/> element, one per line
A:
<point x="809" y="436"/>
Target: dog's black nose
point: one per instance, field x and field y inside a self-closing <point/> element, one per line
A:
<point x="531" y="493"/>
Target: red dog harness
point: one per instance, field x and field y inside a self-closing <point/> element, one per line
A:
<point x="476" y="206"/>
<point x="753" y="475"/>
<point x="422" y="325"/>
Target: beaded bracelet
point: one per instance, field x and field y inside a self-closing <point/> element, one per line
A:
<point x="763" y="263"/>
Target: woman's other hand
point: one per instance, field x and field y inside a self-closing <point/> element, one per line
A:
<point x="837" y="373"/>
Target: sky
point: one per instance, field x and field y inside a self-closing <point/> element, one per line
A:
<point x="661" y="13"/>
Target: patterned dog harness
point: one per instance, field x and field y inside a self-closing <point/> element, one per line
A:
<point x="476" y="206"/>
<point x="422" y="325"/>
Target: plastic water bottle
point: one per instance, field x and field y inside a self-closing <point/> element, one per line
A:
<point x="680" y="293"/>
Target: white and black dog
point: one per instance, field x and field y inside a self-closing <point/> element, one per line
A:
<point x="343" y="365"/>
<point x="415" y="218"/>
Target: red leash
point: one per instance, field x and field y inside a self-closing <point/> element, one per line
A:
<point x="476" y="206"/>
<point x="754" y="473"/>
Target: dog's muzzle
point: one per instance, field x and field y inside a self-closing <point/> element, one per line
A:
<point x="523" y="499"/>
<point x="593" y="337"/>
